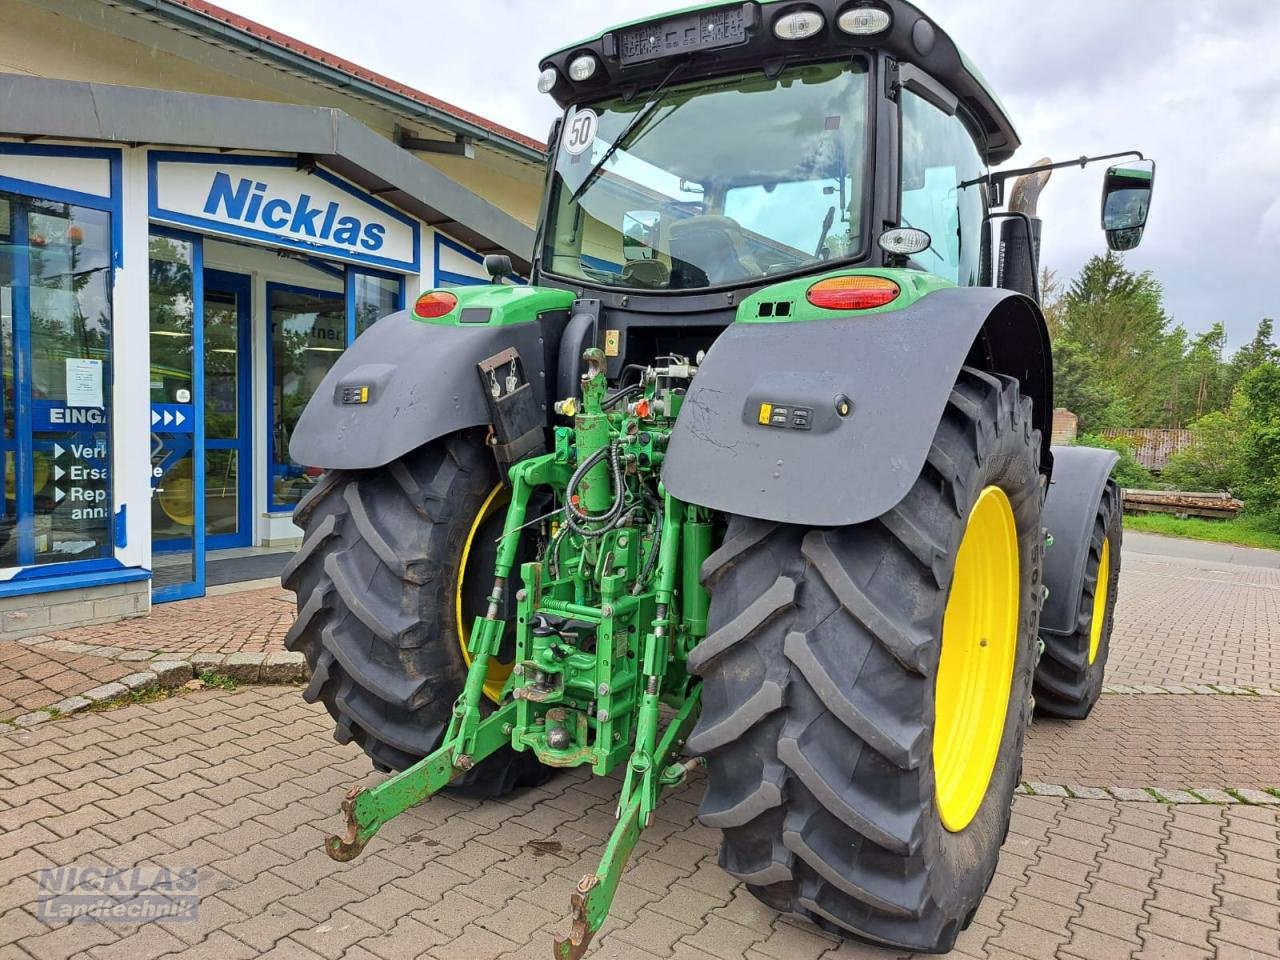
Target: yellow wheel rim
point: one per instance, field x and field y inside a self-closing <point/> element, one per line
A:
<point x="497" y="675"/>
<point x="975" y="668"/>
<point x="1100" y="601"/>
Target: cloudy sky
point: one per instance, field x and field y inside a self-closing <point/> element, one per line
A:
<point x="1195" y="85"/>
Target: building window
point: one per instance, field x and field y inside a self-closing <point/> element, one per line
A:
<point x="55" y="354"/>
<point x="308" y="333"/>
<point x="375" y="297"/>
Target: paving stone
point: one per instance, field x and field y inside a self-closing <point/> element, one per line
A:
<point x="135" y="656"/>
<point x="283" y="666"/>
<point x="1213" y="795"/>
<point x="206" y="662"/>
<point x="139" y="681"/>
<point x="1129" y="793"/>
<point x="1087" y="793"/>
<point x="243" y="667"/>
<point x="108" y="691"/>
<point x="171" y="673"/>
<point x="1258" y="796"/>
<point x="1176" y="796"/>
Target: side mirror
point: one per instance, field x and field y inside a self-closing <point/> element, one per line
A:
<point x="1126" y="198"/>
<point x="498" y="267"/>
<point x="640" y="234"/>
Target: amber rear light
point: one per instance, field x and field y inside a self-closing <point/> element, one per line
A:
<point x="853" y="293"/>
<point x="433" y="304"/>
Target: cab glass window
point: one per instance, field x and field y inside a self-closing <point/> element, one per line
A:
<point x="938" y="154"/>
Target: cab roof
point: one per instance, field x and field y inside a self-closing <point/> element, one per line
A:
<point x="911" y="37"/>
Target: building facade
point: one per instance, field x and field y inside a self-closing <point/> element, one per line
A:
<point x="197" y="216"/>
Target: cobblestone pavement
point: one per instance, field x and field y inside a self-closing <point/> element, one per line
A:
<point x="1180" y="619"/>
<point x="243" y="785"/>
<point x="251" y="621"/>
<point x="31" y="679"/>
<point x="1153" y="741"/>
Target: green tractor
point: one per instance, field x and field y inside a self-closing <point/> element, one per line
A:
<point x="754" y="474"/>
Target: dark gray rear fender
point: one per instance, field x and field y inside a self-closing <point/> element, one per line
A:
<point x="897" y="368"/>
<point x="423" y="385"/>
<point x="1079" y="475"/>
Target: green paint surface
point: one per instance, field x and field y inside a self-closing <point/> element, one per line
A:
<point x="914" y="284"/>
<point x="509" y="305"/>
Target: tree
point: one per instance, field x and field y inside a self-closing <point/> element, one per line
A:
<point x="1115" y="318"/>
<point x="1261" y="349"/>
<point x="1204" y="379"/>
<point x="1259" y="403"/>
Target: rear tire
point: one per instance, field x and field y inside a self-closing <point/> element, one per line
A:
<point x="1070" y="674"/>
<point x="818" y="705"/>
<point x="376" y="579"/>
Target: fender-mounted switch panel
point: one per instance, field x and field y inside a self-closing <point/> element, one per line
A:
<point x="785" y="416"/>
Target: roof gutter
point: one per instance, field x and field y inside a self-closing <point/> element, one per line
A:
<point x="397" y="103"/>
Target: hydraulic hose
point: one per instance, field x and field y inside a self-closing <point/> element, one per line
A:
<point x="578" y="519"/>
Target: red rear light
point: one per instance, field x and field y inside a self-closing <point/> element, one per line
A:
<point x="853" y="293"/>
<point x="433" y="304"/>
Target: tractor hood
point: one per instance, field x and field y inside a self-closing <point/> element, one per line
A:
<point x="728" y="38"/>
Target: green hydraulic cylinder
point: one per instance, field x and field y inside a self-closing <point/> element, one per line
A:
<point x="696" y="546"/>
<point x="591" y="426"/>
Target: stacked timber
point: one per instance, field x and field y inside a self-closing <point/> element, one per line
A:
<point x="1181" y="503"/>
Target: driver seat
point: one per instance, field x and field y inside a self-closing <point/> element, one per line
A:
<point x="709" y="250"/>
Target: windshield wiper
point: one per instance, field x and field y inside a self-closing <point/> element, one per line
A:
<point x="655" y="100"/>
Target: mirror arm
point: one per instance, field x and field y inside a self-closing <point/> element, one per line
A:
<point x="1001" y="176"/>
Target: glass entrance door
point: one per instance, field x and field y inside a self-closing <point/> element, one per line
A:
<point x="227" y="411"/>
<point x="177" y="434"/>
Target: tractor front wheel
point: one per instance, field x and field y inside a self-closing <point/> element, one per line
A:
<point x="866" y="688"/>
<point x="394" y="565"/>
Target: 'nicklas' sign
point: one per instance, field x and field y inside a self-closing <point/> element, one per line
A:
<point x="268" y="200"/>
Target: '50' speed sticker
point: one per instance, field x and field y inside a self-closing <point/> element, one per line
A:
<point x="580" y="132"/>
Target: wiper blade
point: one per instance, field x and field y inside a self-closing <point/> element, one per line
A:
<point x="641" y="116"/>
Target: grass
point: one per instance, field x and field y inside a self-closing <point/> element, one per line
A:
<point x="1244" y="531"/>
<point x="145" y="695"/>
<point x="219" y="681"/>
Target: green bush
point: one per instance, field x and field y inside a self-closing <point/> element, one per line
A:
<point x="1212" y="462"/>
<point x="1128" y="471"/>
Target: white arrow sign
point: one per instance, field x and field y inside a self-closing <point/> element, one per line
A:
<point x="58" y="450"/>
<point x="58" y="472"/>
<point x="178" y="417"/>
<point x="168" y="418"/>
<point x="57" y="495"/>
<point x="155" y="418"/>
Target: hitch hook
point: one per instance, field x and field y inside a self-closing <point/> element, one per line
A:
<point x="574" y="946"/>
<point x="347" y="848"/>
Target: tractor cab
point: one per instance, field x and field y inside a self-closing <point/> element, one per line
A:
<point x="732" y="146"/>
<point x="728" y="147"/>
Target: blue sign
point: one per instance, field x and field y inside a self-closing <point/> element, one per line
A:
<point x="172" y="418"/>
<point x="270" y="200"/>
<point x="50" y="417"/>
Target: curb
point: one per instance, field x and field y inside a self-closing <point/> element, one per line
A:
<point x="1192" y="689"/>
<point x="164" y="670"/>
<point x="1268" y="797"/>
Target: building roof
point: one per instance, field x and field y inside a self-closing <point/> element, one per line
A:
<point x="224" y="27"/>
<point x="40" y="108"/>
<point x="1152" y="447"/>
